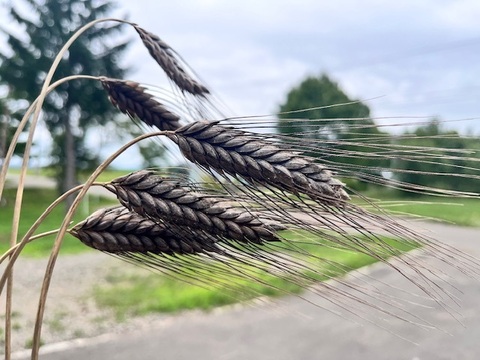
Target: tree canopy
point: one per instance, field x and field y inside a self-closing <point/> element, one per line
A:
<point x="320" y="99"/>
<point x="318" y="109"/>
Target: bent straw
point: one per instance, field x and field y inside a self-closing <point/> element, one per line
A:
<point x="61" y="233"/>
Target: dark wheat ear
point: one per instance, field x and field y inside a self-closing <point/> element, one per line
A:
<point x="170" y="63"/>
<point x="257" y="160"/>
<point x="131" y="98"/>
<point x="169" y="201"/>
<point x="119" y="230"/>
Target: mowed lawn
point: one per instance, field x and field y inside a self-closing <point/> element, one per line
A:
<point x="461" y="212"/>
<point x="464" y="212"/>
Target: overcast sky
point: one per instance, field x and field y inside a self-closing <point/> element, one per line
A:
<point x="413" y="58"/>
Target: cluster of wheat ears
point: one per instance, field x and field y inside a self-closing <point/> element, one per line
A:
<point x="264" y="183"/>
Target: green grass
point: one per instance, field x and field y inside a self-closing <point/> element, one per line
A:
<point x="140" y="293"/>
<point x="106" y="175"/>
<point x="35" y="202"/>
<point x="43" y="171"/>
<point x="462" y="212"/>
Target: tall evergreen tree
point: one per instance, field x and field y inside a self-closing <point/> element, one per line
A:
<point x="78" y="105"/>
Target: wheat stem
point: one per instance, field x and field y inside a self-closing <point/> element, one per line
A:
<point x="61" y="233"/>
<point x="11" y="250"/>
<point x="21" y="183"/>
<point x="38" y="107"/>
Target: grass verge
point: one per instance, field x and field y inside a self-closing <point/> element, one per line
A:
<point x="461" y="212"/>
<point x="35" y="202"/>
<point x="134" y="292"/>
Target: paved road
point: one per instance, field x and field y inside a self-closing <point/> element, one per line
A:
<point x="295" y="329"/>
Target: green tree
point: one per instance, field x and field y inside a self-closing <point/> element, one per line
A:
<point x="79" y="105"/>
<point x="322" y="100"/>
<point x="440" y="164"/>
<point x="340" y="128"/>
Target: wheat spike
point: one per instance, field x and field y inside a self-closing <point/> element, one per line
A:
<point x="239" y="153"/>
<point x="119" y="230"/>
<point x="170" y="63"/>
<point x="132" y="99"/>
<point x="170" y="201"/>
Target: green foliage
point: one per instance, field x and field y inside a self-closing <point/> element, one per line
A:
<point x="440" y="165"/>
<point x="78" y="105"/>
<point x="341" y="128"/>
<point x="329" y="109"/>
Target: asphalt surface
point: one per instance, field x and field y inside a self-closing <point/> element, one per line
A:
<point x="296" y="329"/>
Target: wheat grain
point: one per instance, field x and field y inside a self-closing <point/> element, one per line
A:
<point x="132" y="99"/>
<point x="170" y="63"/>
<point x="171" y="201"/>
<point x="259" y="161"/>
<point x="119" y="230"/>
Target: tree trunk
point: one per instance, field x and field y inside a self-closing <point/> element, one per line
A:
<point x="70" y="167"/>
<point x="3" y="138"/>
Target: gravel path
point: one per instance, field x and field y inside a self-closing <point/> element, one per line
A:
<point x="71" y="310"/>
